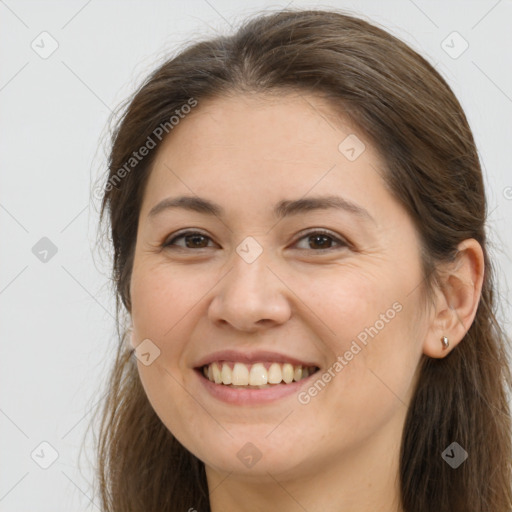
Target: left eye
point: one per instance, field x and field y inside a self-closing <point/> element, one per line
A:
<point x="196" y="240"/>
<point x="321" y="238"/>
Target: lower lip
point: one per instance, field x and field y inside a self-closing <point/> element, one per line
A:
<point x="240" y="396"/>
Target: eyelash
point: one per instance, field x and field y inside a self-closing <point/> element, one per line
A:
<point x="341" y="242"/>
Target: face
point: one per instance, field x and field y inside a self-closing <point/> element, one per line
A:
<point x="337" y="287"/>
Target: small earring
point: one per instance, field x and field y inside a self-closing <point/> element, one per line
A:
<point x="445" y="342"/>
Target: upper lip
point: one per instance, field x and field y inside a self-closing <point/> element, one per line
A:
<point x="251" y="357"/>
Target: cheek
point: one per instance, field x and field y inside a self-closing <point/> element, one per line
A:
<point x="348" y="299"/>
<point x="161" y="296"/>
<point x="162" y="311"/>
<point x="372" y="339"/>
<point x="362" y="315"/>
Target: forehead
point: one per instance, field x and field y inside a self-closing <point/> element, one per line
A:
<point x="261" y="146"/>
<point x="262" y="123"/>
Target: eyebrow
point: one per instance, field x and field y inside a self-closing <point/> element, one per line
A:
<point x="282" y="209"/>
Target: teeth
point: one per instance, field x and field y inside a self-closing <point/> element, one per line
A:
<point x="287" y="372"/>
<point x="225" y="374"/>
<point x="239" y="375"/>
<point x="217" y="376"/>
<point x="257" y="375"/>
<point x="275" y="375"/>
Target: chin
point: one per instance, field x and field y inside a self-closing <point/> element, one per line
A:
<point x="254" y="457"/>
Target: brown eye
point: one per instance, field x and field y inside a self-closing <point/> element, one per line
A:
<point x="193" y="240"/>
<point x="322" y="240"/>
<point x="316" y="240"/>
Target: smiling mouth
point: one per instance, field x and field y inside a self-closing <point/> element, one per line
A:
<point x="255" y="376"/>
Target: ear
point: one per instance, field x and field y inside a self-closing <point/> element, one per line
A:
<point x="456" y="299"/>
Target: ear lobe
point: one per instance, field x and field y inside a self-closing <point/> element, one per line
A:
<point x="457" y="298"/>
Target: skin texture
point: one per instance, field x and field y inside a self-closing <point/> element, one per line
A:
<point x="340" y="450"/>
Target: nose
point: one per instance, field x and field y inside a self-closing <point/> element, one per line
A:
<point x="250" y="297"/>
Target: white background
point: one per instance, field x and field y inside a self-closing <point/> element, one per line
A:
<point x="56" y="326"/>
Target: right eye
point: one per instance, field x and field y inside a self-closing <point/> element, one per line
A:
<point x="193" y="240"/>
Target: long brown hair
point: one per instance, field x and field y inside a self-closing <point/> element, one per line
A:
<point x="407" y="110"/>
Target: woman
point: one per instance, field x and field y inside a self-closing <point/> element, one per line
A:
<point x="298" y="219"/>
